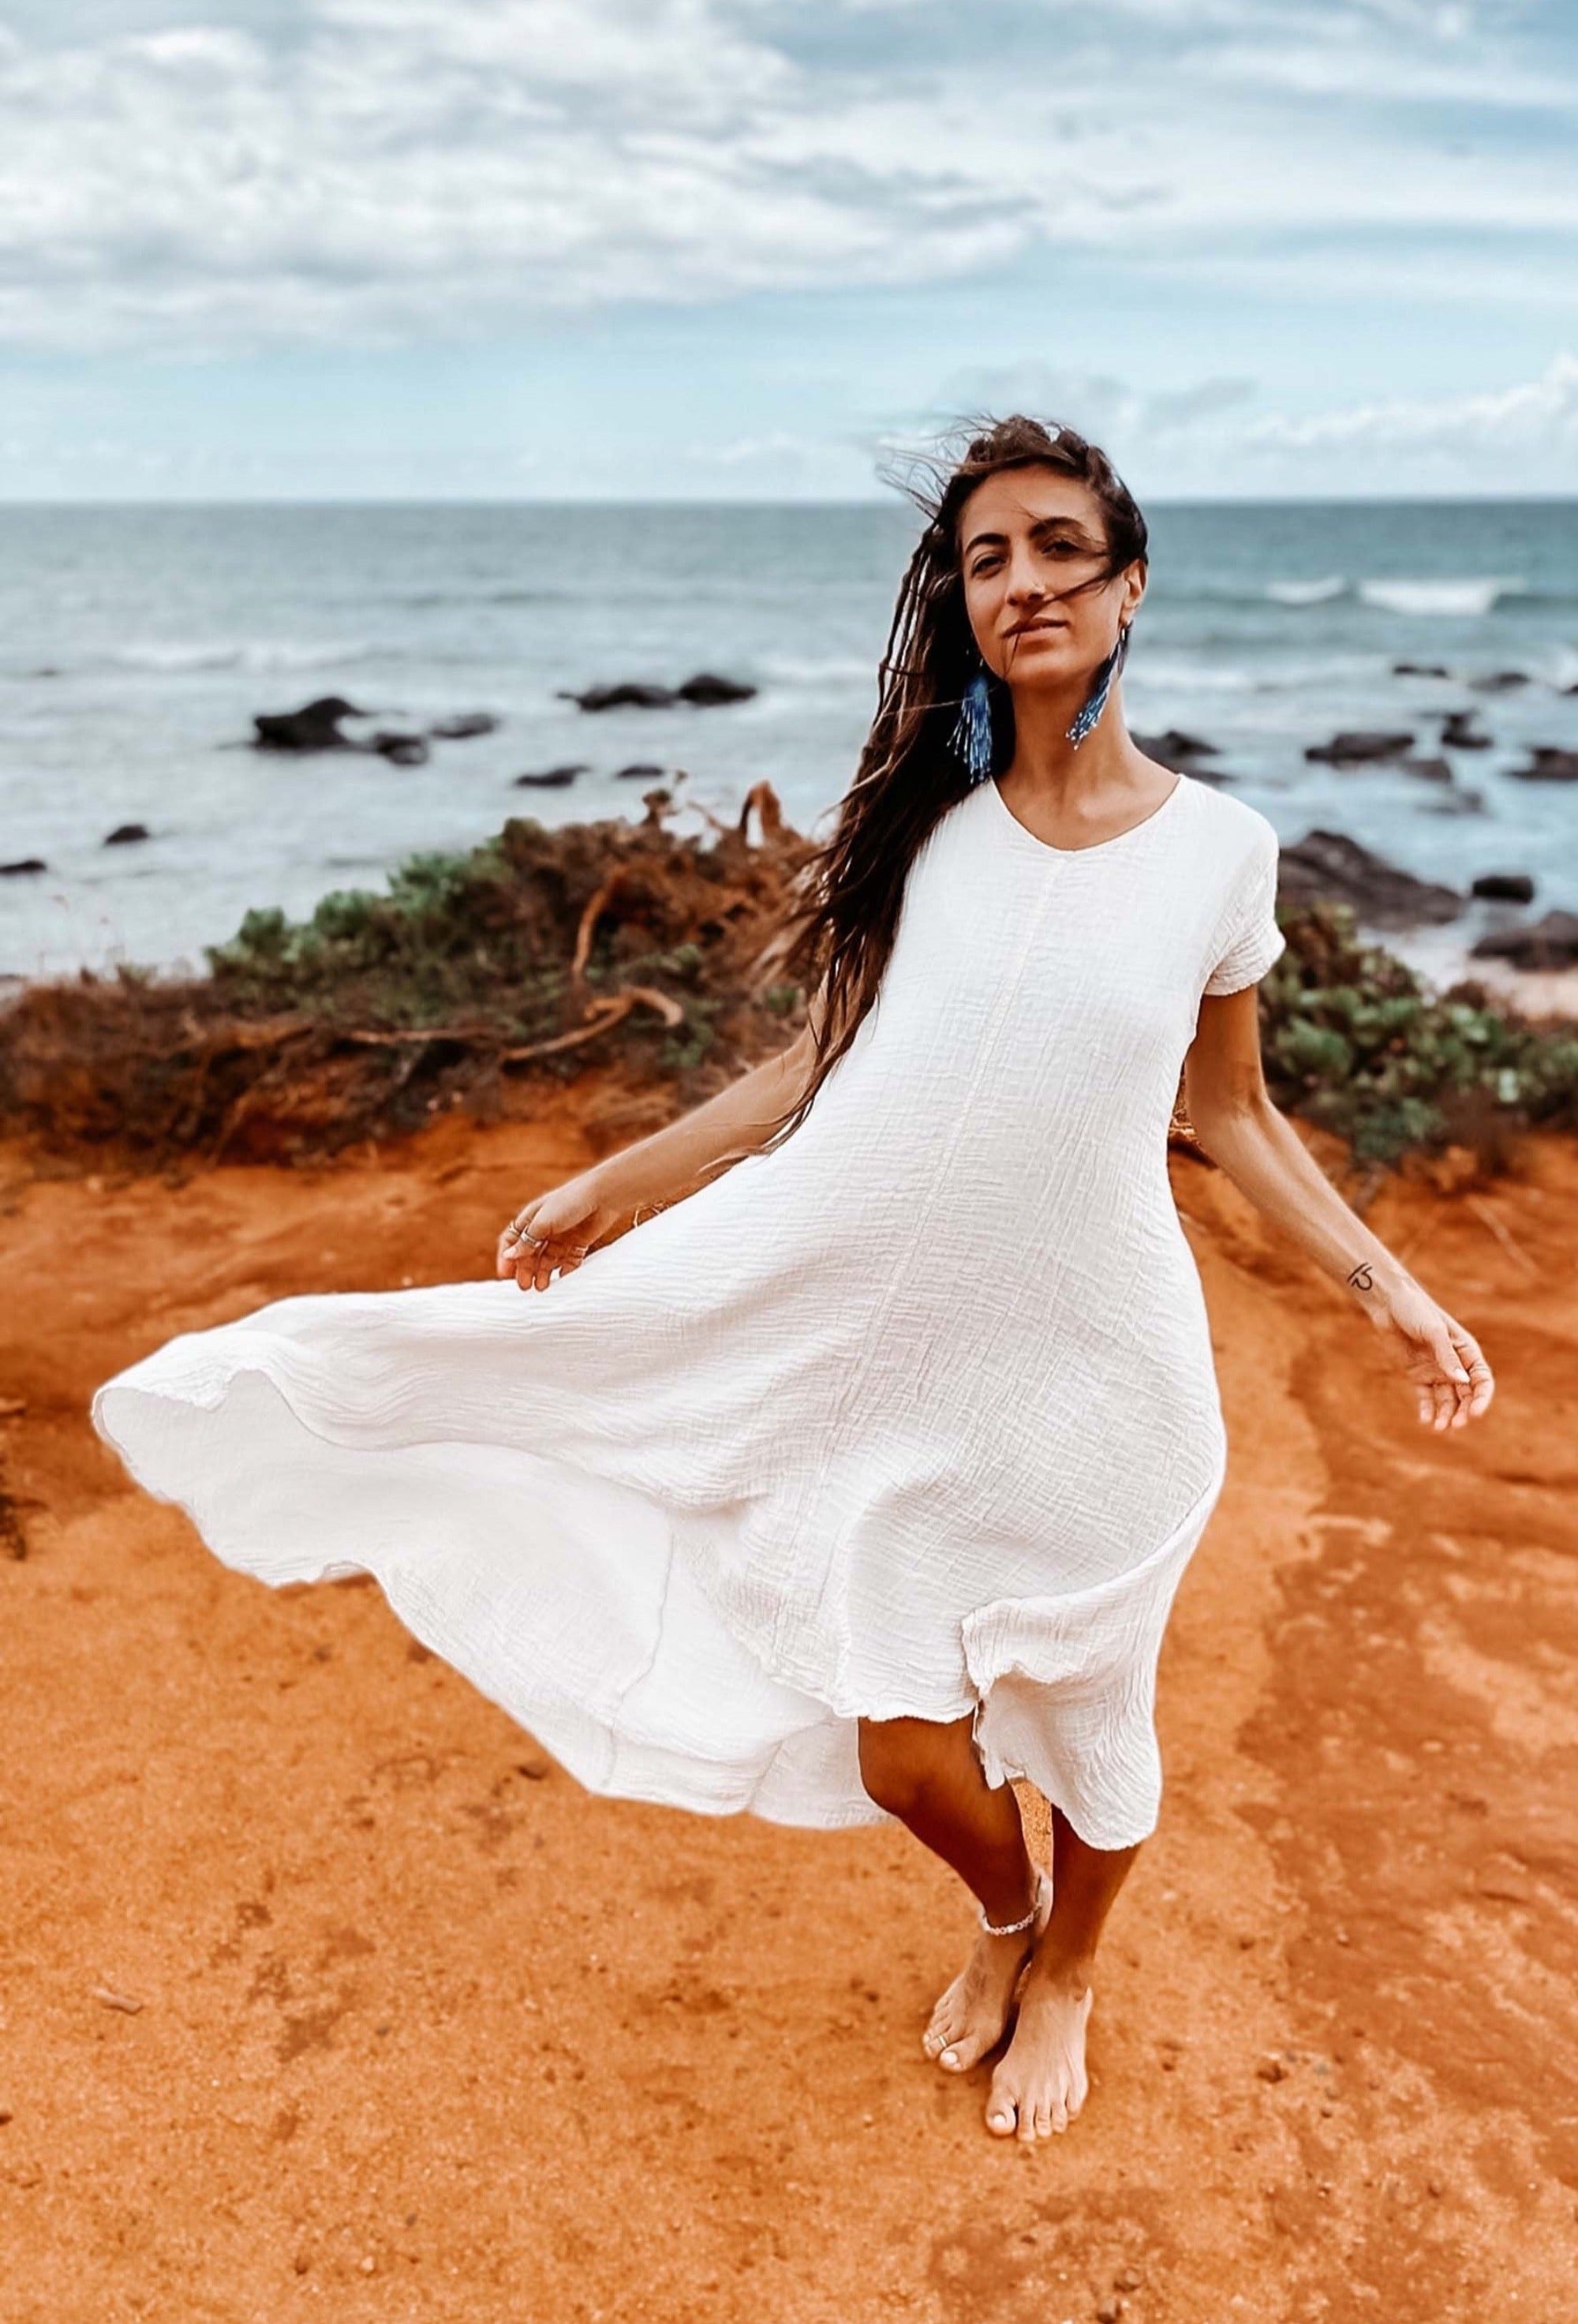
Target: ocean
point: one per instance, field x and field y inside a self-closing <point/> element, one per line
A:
<point x="136" y="643"/>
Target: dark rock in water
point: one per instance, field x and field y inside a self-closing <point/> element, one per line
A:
<point x="1499" y="681"/>
<point x="1548" y="765"/>
<point x="1329" y="864"/>
<point x="705" y="691"/>
<point x="1550" y="943"/>
<point x="1353" y="750"/>
<point x="1420" y="669"/>
<point x="1175" y="744"/>
<point x="462" y="729"/>
<point x="640" y="773"/>
<point x="627" y="696"/>
<point x="1449" y="800"/>
<point x="401" y="750"/>
<point x="23" y="863"/>
<point x="315" y="726"/>
<point x="127" y="835"/>
<point x="1459" y="732"/>
<point x="1504" y="887"/>
<point x="551" y="778"/>
<point x="1429" y="770"/>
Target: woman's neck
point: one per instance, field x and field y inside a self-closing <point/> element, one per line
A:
<point x="1046" y="761"/>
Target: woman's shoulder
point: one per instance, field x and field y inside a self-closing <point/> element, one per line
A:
<point x="1230" y="829"/>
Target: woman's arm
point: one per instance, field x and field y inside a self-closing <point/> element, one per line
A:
<point x="558" y="1230"/>
<point x="1242" y="1131"/>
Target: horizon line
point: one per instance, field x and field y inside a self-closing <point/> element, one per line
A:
<point x="895" y="501"/>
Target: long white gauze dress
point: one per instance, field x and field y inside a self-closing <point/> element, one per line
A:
<point x="914" y="1415"/>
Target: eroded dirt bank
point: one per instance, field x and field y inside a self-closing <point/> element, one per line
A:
<point x="324" y="1995"/>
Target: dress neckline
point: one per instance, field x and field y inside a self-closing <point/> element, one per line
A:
<point x="1097" y="846"/>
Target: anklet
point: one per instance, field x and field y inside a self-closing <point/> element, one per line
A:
<point x="1011" y="1928"/>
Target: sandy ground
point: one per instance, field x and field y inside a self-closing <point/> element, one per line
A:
<point x="324" y="1995"/>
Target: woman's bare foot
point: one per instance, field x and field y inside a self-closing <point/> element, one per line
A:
<point x="973" y="2015"/>
<point x="1041" y="2084"/>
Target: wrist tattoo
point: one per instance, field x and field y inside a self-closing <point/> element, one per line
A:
<point x="1360" y="1278"/>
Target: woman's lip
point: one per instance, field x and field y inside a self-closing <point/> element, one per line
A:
<point x="1029" y="628"/>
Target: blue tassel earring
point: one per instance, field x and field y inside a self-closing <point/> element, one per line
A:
<point x="970" y="740"/>
<point x="1096" y="700"/>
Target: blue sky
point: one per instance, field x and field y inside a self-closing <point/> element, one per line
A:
<point x="677" y="248"/>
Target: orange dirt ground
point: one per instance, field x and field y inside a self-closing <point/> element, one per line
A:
<point x="324" y="1996"/>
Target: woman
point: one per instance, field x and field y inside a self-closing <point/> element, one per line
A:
<point x="860" y="1480"/>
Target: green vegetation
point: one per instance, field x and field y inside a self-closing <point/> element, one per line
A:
<point x="1354" y="1040"/>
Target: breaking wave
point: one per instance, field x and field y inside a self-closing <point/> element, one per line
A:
<point x="257" y="654"/>
<point x="1457" y="598"/>
<point x="1306" y="592"/>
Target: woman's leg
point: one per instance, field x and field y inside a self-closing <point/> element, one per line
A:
<point x="1041" y="2083"/>
<point x="928" y="1774"/>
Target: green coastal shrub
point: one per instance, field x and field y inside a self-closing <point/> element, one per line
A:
<point x="454" y="937"/>
<point x="1354" y="1039"/>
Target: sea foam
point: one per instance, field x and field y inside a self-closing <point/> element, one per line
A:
<point x="1461" y="598"/>
<point x="1306" y="592"/>
<point x="260" y="654"/>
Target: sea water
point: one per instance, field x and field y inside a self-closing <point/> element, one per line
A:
<point x="136" y="643"/>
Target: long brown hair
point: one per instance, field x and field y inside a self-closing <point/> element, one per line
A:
<point x="907" y="777"/>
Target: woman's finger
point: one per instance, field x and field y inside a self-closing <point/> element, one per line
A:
<point x="521" y="1240"/>
<point x="522" y="1261"/>
<point x="1466" y="1371"/>
<point x="1444" y="1351"/>
<point x="1481" y="1380"/>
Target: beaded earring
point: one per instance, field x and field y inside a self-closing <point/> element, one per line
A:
<point x="970" y="740"/>
<point x="1095" y="702"/>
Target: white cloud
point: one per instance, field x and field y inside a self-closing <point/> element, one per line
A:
<point x="381" y="171"/>
<point x="1220" y="435"/>
<point x="1537" y="415"/>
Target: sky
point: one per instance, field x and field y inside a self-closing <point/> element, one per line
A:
<point x="639" y="249"/>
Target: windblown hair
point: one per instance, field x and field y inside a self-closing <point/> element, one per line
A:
<point x="907" y="777"/>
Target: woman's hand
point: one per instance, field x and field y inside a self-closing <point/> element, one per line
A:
<point x="1451" y="1378"/>
<point x="552" y="1234"/>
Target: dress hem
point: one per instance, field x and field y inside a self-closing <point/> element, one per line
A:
<point x="1003" y="1640"/>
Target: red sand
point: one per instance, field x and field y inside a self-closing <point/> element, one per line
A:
<point x="324" y="1996"/>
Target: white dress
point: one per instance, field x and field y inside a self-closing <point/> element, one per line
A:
<point x="914" y="1415"/>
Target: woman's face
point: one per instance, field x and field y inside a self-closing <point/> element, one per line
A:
<point x="1028" y="538"/>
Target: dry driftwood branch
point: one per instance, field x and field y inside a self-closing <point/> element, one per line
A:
<point x="597" y="903"/>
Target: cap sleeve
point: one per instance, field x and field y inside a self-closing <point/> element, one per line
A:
<point x="1253" y="939"/>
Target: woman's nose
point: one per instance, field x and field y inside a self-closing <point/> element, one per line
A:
<point x="1024" y="582"/>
